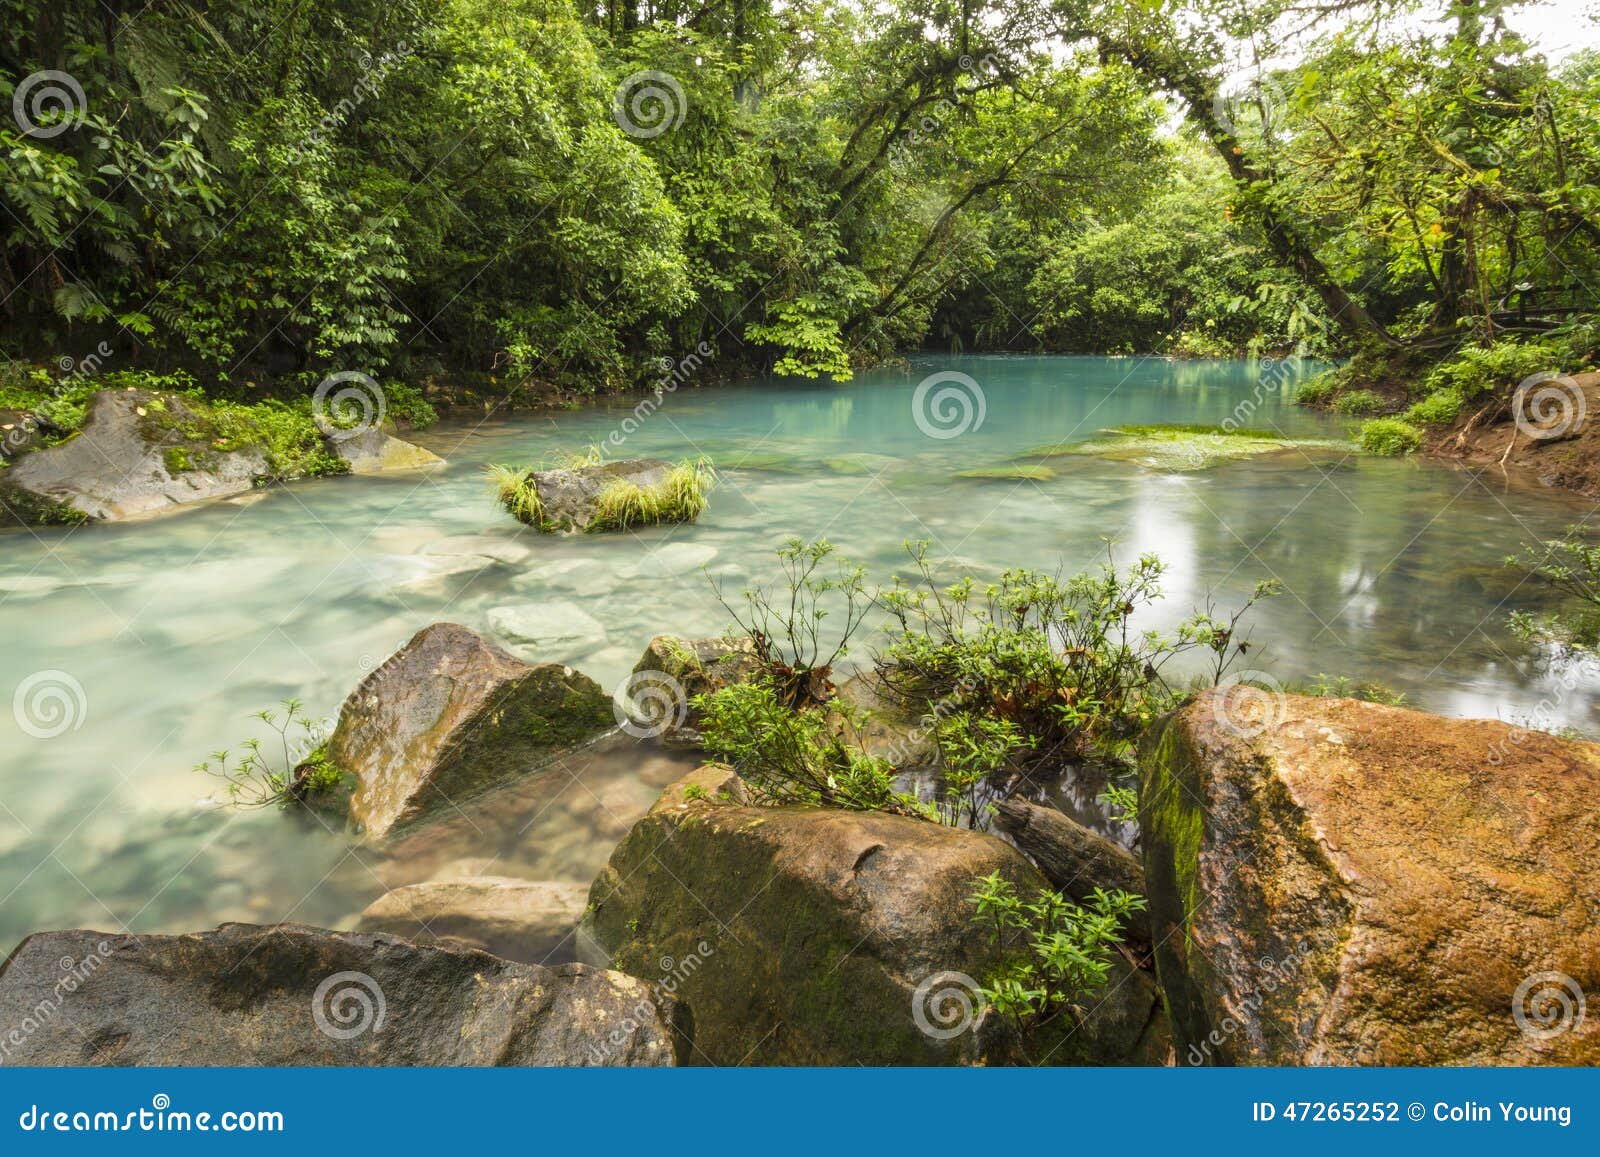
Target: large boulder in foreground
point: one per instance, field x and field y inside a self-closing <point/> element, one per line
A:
<point x="822" y="937"/>
<point x="293" y="995"/>
<point x="451" y="714"/>
<point x="135" y="455"/>
<point x="530" y="920"/>
<point x="1074" y="859"/>
<point x="1335" y="882"/>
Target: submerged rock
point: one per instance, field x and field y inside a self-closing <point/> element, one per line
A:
<point x="814" y="936"/>
<point x="552" y="625"/>
<point x="1179" y="449"/>
<point x="1336" y="882"/>
<point x="374" y="451"/>
<point x="451" y="714"/>
<point x="292" y="995"/>
<point x="131" y="458"/>
<point x="527" y="920"/>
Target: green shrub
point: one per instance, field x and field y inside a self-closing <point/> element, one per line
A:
<point x="680" y="497"/>
<point x="1497" y="368"/>
<point x="1356" y="402"/>
<point x="797" y="754"/>
<point x="1391" y="437"/>
<point x="972" y="748"/>
<point x="1344" y="687"/>
<point x="1571" y="566"/>
<point x="1316" y="391"/>
<point x="1059" y="953"/>
<point x="1438" y="409"/>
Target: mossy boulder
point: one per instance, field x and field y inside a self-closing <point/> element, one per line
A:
<point x="131" y="458"/>
<point x="605" y="496"/>
<point x="294" y="995"/>
<point x="375" y="450"/>
<point x="451" y="714"/>
<point x="823" y="937"/>
<point x="1338" y="882"/>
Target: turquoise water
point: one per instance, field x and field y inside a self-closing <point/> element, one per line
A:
<point x="175" y="629"/>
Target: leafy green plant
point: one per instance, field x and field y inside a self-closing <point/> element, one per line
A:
<point x="1059" y="953"/>
<point x="797" y="754"/>
<point x="291" y="767"/>
<point x="1389" y="437"/>
<point x="785" y="624"/>
<point x="1122" y="802"/>
<point x="1438" y="409"/>
<point x="1571" y="566"/>
<point x="1057" y="658"/>
<point x="1359" y="402"/>
<point x="972" y="748"/>
<point x="1344" y="687"/>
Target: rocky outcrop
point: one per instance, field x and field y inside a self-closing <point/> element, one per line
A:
<point x="451" y="714"/>
<point x="886" y="728"/>
<point x="527" y="920"/>
<point x="293" y="995"/>
<point x="132" y="457"/>
<point x="375" y="450"/>
<point x="1074" y="859"/>
<point x="572" y="499"/>
<point x="1335" y="882"/>
<point x="816" y="936"/>
<point x="673" y="671"/>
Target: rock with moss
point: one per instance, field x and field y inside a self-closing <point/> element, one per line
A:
<point x="1335" y="882"/>
<point x="535" y="921"/>
<point x="1183" y="448"/>
<point x="674" y="670"/>
<point x="289" y="994"/>
<point x="604" y="496"/>
<point x="132" y="457"/>
<point x="376" y="450"/>
<point x="451" y="714"/>
<point x="828" y="937"/>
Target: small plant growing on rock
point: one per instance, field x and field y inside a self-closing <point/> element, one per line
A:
<point x="680" y="497"/>
<point x="517" y="493"/>
<point x="786" y="627"/>
<point x="797" y="754"/>
<point x="291" y="768"/>
<point x="1061" y="952"/>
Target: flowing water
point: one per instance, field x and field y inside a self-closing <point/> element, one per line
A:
<point x="163" y="636"/>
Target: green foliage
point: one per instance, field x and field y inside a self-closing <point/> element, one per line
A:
<point x="514" y="489"/>
<point x="972" y="748"/>
<point x="1390" y="437"/>
<point x="1438" y="409"/>
<point x="1344" y="687"/>
<point x="1122" y="802"/>
<point x="292" y="766"/>
<point x="1056" y="658"/>
<point x="786" y="624"/>
<point x="1359" y="402"/>
<point x="1570" y="566"/>
<point x="797" y="754"/>
<point x="680" y="497"/>
<point x="1060" y="953"/>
